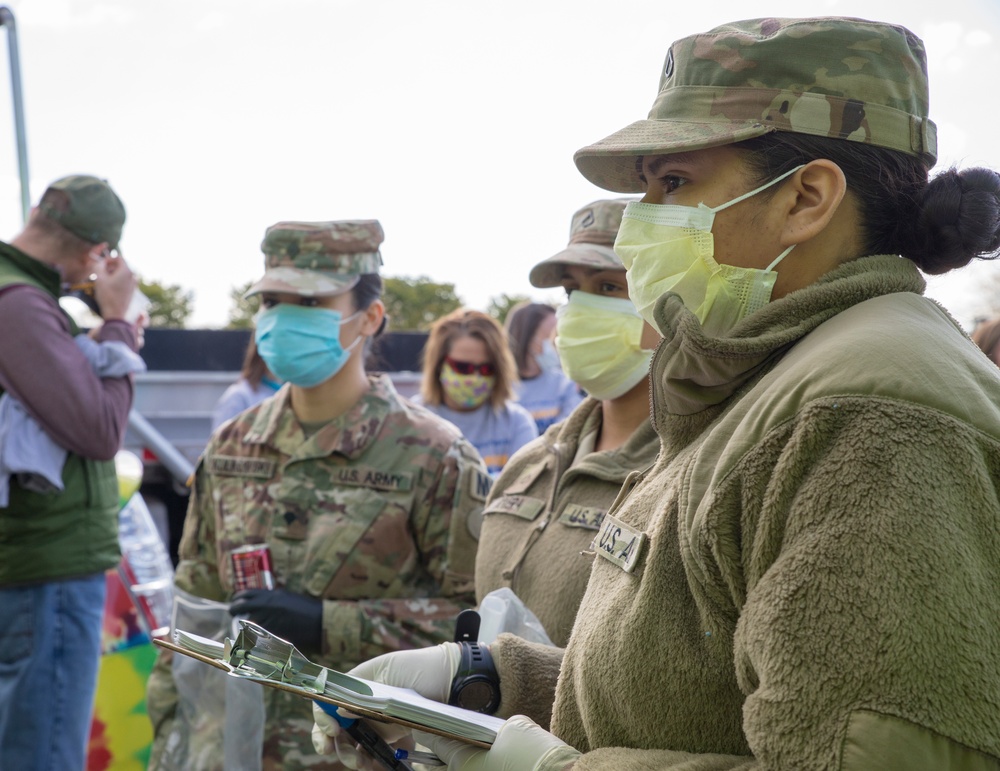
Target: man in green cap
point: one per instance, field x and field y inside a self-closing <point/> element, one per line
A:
<point x="808" y="577"/>
<point x="56" y="541"/>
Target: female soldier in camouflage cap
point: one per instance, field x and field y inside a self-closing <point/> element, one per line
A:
<point x="809" y="576"/>
<point x="551" y="498"/>
<point x="364" y="499"/>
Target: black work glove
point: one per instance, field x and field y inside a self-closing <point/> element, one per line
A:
<point x="291" y="616"/>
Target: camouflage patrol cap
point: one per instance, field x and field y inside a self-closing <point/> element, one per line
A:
<point x="592" y="233"/>
<point x="87" y="207"/>
<point x="318" y="258"/>
<point x="851" y="79"/>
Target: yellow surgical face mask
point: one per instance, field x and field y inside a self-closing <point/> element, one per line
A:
<point x="598" y="339"/>
<point x="670" y="248"/>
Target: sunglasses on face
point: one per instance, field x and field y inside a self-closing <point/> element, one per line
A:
<point x="468" y="368"/>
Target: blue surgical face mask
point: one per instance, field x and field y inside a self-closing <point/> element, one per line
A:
<point x="548" y="359"/>
<point x="302" y="345"/>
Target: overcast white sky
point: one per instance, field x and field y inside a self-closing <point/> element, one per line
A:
<point x="454" y="122"/>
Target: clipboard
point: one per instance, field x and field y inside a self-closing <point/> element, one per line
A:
<point x="312" y="695"/>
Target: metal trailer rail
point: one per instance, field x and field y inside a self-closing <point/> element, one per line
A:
<point x="171" y="420"/>
<point x="180" y="468"/>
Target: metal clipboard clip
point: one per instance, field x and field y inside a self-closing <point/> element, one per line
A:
<point x="260" y="655"/>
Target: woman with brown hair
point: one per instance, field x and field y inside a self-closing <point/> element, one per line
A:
<point x="255" y="383"/>
<point x="544" y="390"/>
<point x="469" y="380"/>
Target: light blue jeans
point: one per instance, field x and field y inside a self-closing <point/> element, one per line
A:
<point x="50" y="648"/>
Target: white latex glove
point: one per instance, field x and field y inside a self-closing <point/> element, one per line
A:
<point x="428" y="671"/>
<point x="521" y="745"/>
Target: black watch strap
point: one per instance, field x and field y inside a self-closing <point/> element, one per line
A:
<point x="467" y="626"/>
<point x="476" y="685"/>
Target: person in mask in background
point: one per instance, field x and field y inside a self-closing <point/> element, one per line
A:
<point x="469" y="378"/>
<point x="809" y="575"/>
<point x="367" y="503"/>
<point x="544" y="390"/>
<point x="551" y="498"/>
<point x="255" y="383"/>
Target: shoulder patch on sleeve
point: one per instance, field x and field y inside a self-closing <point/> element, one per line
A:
<point x="474" y="522"/>
<point x="479" y="484"/>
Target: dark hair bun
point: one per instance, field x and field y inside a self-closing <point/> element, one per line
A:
<point x="959" y="220"/>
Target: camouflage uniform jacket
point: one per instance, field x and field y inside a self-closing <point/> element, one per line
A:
<point x="545" y="509"/>
<point x="374" y="512"/>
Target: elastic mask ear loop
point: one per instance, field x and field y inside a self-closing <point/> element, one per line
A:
<point x="357" y="339"/>
<point x="743" y="197"/>
<point x="779" y="258"/>
<point x="752" y="193"/>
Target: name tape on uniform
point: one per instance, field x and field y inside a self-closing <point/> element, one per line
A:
<point x="587" y="517"/>
<point x="519" y="505"/>
<point x="620" y="544"/>
<point x="364" y="476"/>
<point x="234" y="466"/>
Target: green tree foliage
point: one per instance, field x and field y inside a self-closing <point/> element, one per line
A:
<point x="241" y="312"/>
<point x="501" y="305"/>
<point x="169" y="305"/>
<point x="416" y="303"/>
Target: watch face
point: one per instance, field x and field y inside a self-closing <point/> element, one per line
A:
<point x="476" y="685"/>
<point x="478" y="694"/>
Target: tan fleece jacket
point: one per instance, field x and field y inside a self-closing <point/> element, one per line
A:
<point x="543" y="512"/>
<point x="815" y="557"/>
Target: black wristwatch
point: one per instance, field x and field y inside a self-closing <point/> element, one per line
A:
<point x="476" y="685"/>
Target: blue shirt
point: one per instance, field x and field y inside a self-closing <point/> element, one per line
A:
<point x="240" y="396"/>
<point x="549" y="397"/>
<point x="497" y="433"/>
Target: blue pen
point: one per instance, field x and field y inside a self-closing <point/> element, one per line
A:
<point x="367" y="737"/>
<point x="424" y="758"/>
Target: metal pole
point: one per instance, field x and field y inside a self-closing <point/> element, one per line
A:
<point x="7" y="20"/>
<point x="171" y="458"/>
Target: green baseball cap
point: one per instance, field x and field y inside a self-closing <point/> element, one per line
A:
<point x="843" y="78"/>
<point x="318" y="259"/>
<point x="87" y="207"/>
<point x="592" y="233"/>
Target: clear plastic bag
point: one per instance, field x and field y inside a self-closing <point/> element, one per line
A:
<point x="219" y="722"/>
<point x="145" y="567"/>
<point x="503" y="611"/>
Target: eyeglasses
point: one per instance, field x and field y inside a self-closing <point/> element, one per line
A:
<point x="468" y="368"/>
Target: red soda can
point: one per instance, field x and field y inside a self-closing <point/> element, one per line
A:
<point x="252" y="567"/>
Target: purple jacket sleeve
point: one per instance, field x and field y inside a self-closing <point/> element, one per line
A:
<point x="42" y="367"/>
